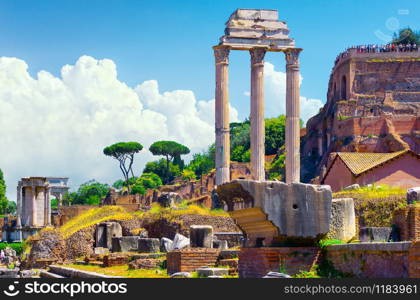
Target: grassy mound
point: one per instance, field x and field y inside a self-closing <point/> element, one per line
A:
<point x="92" y="217"/>
<point x="158" y="211"/>
<point x="374" y="204"/>
<point x="373" y="192"/>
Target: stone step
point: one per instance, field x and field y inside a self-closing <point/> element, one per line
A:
<point x="75" y="273"/>
<point x="46" y="274"/>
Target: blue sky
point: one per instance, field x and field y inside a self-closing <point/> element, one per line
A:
<point x="144" y="71"/>
<point x="170" y="41"/>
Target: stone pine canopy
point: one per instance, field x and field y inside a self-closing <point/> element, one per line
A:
<point x="248" y="28"/>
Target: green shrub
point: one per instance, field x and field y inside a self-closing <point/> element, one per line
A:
<point x="18" y="247"/>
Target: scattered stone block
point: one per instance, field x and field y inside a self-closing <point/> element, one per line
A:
<point x="413" y="194"/>
<point x="206" y="272"/>
<point x="276" y="275"/>
<point x="105" y="232"/>
<point x="148" y="245"/>
<point x="169" y="199"/>
<point x="181" y="275"/>
<point x="110" y="261"/>
<point x="352" y="187"/>
<point x="101" y="251"/>
<point x="375" y="234"/>
<point x="125" y="244"/>
<point x="9" y="273"/>
<point x="144" y="264"/>
<point x="201" y="236"/>
<point x="180" y="242"/>
<point x="166" y="245"/>
<point x="221" y="245"/>
<point x="343" y="219"/>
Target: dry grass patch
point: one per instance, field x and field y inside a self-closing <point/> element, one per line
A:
<point x="122" y="271"/>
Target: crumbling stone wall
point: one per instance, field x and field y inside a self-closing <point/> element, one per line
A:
<point x="372" y="106"/>
<point x="371" y="260"/>
<point x="257" y="262"/>
<point x="407" y="220"/>
<point x="190" y="259"/>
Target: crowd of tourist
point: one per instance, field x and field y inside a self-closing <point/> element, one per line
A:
<point x="374" y="48"/>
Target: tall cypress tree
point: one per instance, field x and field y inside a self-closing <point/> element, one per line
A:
<point x="3" y="199"/>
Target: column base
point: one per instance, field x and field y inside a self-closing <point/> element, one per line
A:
<point x="222" y="175"/>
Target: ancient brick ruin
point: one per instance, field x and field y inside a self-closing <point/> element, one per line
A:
<point x="372" y="106"/>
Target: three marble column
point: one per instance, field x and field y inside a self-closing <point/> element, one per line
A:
<point x="257" y="115"/>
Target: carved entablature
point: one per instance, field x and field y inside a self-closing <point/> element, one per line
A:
<point x="292" y="56"/>
<point x="221" y="54"/>
<point x="257" y="55"/>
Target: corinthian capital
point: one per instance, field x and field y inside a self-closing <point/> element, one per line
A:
<point x="292" y="56"/>
<point x="221" y="54"/>
<point x="257" y="55"/>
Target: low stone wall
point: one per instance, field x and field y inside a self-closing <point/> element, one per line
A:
<point x="233" y="239"/>
<point x="190" y="259"/>
<point x="414" y="260"/>
<point x="74" y="273"/>
<point x="407" y="220"/>
<point x="371" y="260"/>
<point x="257" y="262"/>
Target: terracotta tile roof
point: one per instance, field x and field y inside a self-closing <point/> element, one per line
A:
<point x="360" y="162"/>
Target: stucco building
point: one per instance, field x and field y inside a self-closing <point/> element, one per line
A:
<point x="395" y="169"/>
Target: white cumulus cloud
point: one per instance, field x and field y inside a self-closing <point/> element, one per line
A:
<point x="275" y="95"/>
<point x="58" y="126"/>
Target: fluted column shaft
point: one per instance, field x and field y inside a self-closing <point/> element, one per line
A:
<point x="19" y="206"/>
<point x="257" y="114"/>
<point x="47" y="207"/>
<point x="292" y="116"/>
<point x="221" y="55"/>
<point x="34" y="208"/>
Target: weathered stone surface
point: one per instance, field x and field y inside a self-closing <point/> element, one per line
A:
<point x="101" y="251"/>
<point x="206" y="272"/>
<point x="144" y="264"/>
<point x="276" y="275"/>
<point x="180" y="242"/>
<point x="9" y="273"/>
<point x="28" y="273"/>
<point x="343" y="220"/>
<point x="290" y="210"/>
<point x="166" y="245"/>
<point x="221" y="245"/>
<point x="125" y="244"/>
<point x="105" y="232"/>
<point x="201" y="236"/>
<point x="148" y="245"/>
<point x="169" y="199"/>
<point x="181" y="275"/>
<point x="352" y="187"/>
<point x="375" y="234"/>
<point x="413" y="195"/>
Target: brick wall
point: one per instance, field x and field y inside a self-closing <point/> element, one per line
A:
<point x="371" y="260"/>
<point x="257" y="262"/>
<point x="190" y="259"/>
<point x="110" y="261"/>
<point x="408" y="221"/>
<point x="414" y="260"/>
